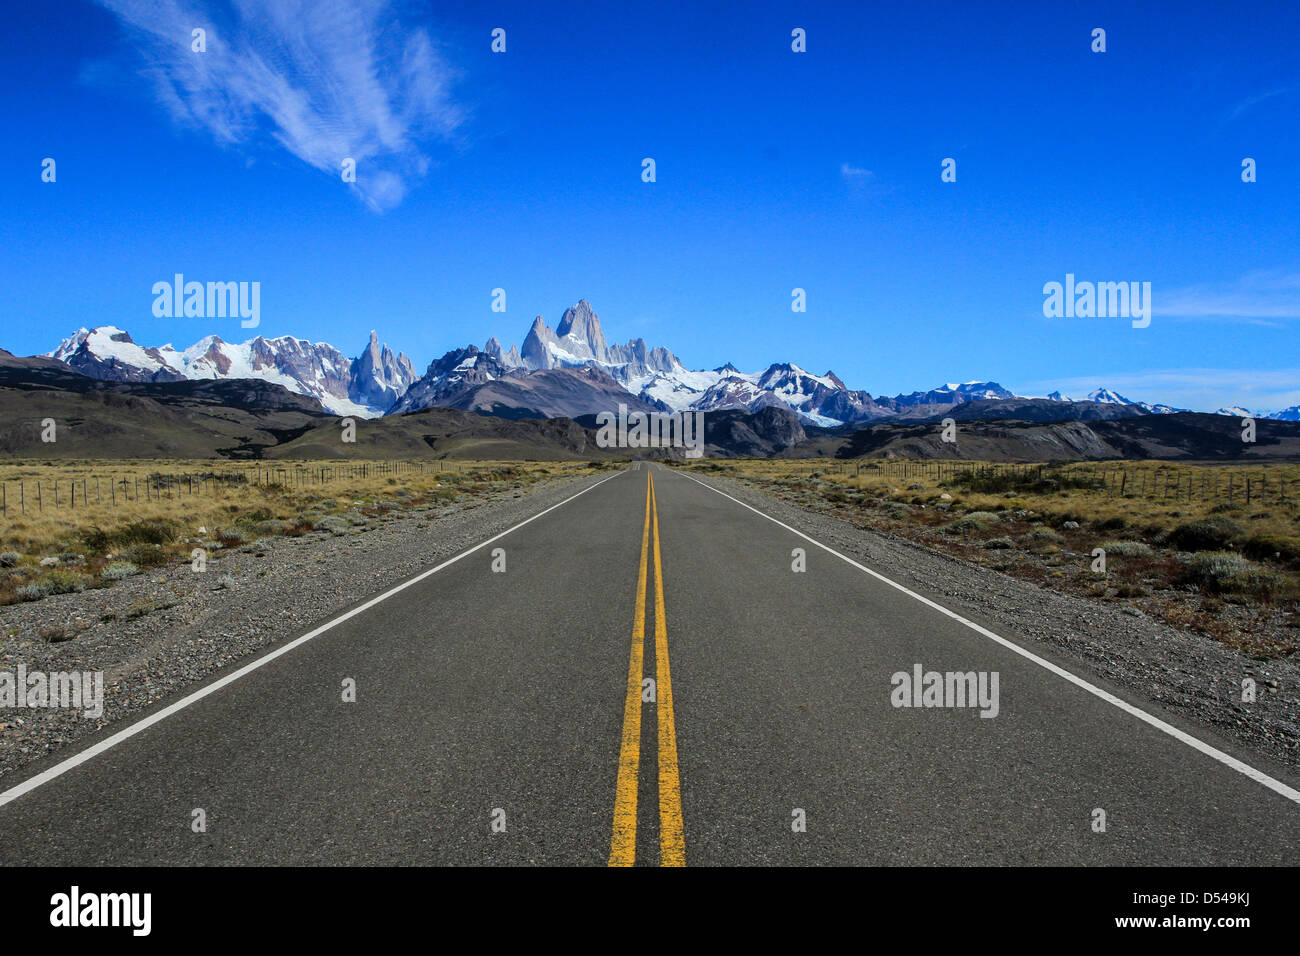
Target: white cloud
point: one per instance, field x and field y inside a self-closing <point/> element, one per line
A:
<point x="855" y="172"/>
<point x="327" y="81"/>
<point x="1258" y="296"/>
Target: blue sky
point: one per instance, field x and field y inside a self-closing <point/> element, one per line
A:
<point x="775" y="170"/>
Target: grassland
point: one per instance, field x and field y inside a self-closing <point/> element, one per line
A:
<point x="69" y="526"/>
<point x="1210" y="548"/>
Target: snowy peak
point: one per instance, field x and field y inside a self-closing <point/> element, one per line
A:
<point x="1107" y="397"/>
<point x="367" y="386"/>
<point x="109" y="353"/>
<point x="580" y="333"/>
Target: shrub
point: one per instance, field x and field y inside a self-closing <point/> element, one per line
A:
<point x="335" y="524"/>
<point x="53" y="582"/>
<point x="271" y="526"/>
<point x="1259" y="584"/>
<point x="34" y="591"/>
<point x="985" y="516"/>
<point x="965" y="525"/>
<point x="1043" y="536"/>
<point x="118" y="570"/>
<point x="1259" y="546"/>
<point x="143" y="555"/>
<point x="1215" y="568"/>
<point x="149" y="531"/>
<point x="1111" y="524"/>
<point x="1127" y="549"/>
<point x="10" y="559"/>
<point x="999" y="544"/>
<point x="1206" y="534"/>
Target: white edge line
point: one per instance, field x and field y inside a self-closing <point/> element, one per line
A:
<point x="77" y="759"/>
<point x="1227" y="759"/>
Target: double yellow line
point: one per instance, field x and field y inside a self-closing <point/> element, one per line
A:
<point x="672" y="840"/>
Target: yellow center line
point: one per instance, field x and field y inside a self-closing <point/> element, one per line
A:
<point x="622" y="851"/>
<point x="672" y="838"/>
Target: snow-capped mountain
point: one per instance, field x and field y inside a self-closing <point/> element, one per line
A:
<point x="1105" y="396"/>
<point x="367" y="386"/>
<point x="517" y="378"/>
<point x="658" y="378"/>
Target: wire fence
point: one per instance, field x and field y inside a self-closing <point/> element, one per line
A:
<point x="1182" y="483"/>
<point x="37" y="495"/>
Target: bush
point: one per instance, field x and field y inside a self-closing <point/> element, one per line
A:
<point x="149" y="531"/>
<point x="1260" y="546"/>
<point x="1037" y="481"/>
<point x="118" y="570"/>
<point x="1043" y="536"/>
<point x="1213" y="569"/>
<point x="335" y="524"/>
<point x="143" y="555"/>
<point x="1206" y="534"/>
<point x="53" y="582"/>
<point x="1111" y="524"/>
<point x="10" y="559"/>
<point x="999" y="544"/>
<point x="1127" y="549"/>
<point x="985" y="516"/>
<point x="1259" y="584"/>
<point x="964" y="526"/>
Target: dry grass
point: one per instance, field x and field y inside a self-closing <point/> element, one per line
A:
<point x="1044" y="526"/>
<point x="98" y="542"/>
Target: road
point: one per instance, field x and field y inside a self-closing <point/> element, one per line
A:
<point x="499" y="719"/>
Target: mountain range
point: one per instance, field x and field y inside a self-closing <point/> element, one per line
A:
<point x="568" y="371"/>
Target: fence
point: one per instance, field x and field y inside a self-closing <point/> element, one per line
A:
<point x="1187" y="483"/>
<point x="37" y="495"/>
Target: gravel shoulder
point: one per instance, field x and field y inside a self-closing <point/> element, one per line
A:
<point x="165" y="631"/>
<point x="1190" y="676"/>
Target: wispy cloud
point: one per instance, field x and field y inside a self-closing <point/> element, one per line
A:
<point x="326" y="81"/>
<point x="1258" y="296"/>
<point x="1252" y="101"/>
<point x="856" y="173"/>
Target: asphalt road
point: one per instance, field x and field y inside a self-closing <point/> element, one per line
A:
<point x="499" y="719"/>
